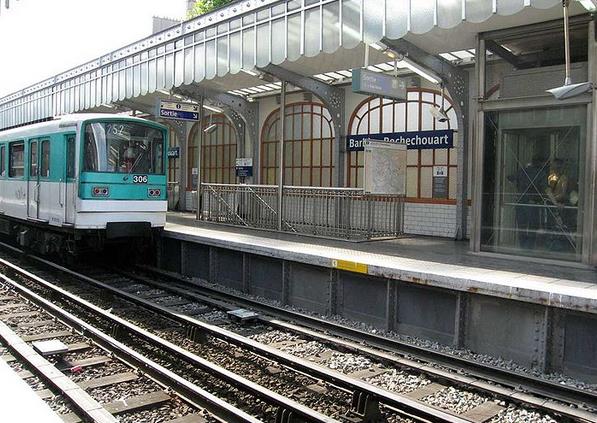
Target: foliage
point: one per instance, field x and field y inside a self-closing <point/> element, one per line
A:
<point x="203" y="6"/>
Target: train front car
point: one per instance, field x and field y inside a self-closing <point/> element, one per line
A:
<point x="122" y="180"/>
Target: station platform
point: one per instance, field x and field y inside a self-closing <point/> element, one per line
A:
<point x="436" y="262"/>
<point x="537" y="315"/>
<point x="19" y="403"/>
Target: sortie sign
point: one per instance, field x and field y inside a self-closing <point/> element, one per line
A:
<point x="419" y="140"/>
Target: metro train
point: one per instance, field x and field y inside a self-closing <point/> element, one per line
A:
<point x="80" y="182"/>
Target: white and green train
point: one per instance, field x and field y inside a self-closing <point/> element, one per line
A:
<point x="80" y="181"/>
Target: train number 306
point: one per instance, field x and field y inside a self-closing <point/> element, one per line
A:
<point x="140" y="179"/>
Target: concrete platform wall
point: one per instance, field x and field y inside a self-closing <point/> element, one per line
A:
<point x="547" y="338"/>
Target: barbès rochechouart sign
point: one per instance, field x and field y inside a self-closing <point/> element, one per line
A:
<point x="419" y="140"/>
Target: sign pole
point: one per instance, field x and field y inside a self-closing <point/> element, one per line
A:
<point x="282" y="127"/>
<point x="198" y="153"/>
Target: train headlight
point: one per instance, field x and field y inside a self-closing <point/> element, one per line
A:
<point x="100" y="191"/>
<point x="154" y="192"/>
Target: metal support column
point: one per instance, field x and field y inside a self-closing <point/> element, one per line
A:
<point x="282" y="134"/>
<point x="199" y="144"/>
<point x="456" y="82"/>
<point x="477" y="150"/>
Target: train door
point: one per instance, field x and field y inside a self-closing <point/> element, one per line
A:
<point x="47" y="191"/>
<point x="33" y="180"/>
<point x="68" y="189"/>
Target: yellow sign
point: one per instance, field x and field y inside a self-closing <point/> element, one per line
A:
<point x="351" y="266"/>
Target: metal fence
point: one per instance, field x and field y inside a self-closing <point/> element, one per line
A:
<point x="344" y="213"/>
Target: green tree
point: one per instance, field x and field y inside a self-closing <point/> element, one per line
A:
<point x="203" y="6"/>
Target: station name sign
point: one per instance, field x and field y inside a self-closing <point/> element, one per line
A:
<point x="419" y="140"/>
<point x="179" y="111"/>
<point x="374" y="83"/>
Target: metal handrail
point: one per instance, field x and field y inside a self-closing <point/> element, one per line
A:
<point x="345" y="213"/>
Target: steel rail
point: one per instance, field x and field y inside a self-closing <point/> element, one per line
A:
<point x="84" y="406"/>
<point x="402" y="403"/>
<point x="197" y="395"/>
<point x="366" y="341"/>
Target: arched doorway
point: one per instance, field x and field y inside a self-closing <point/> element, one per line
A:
<point x="308" y="148"/>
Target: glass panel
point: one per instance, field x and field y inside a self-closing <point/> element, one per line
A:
<point x="45" y="159"/>
<point x="70" y="156"/>
<point x="412" y="182"/>
<point x="123" y="147"/>
<point x="426" y="182"/>
<point x="16" y="165"/>
<point x="426" y="157"/>
<point x="33" y="159"/>
<point x="2" y="161"/>
<point x="533" y="182"/>
<point x="441" y="156"/>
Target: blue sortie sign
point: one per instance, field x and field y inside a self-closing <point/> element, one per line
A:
<point x="419" y="140"/>
<point x="179" y="114"/>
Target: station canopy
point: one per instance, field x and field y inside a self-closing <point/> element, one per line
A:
<point x="221" y="50"/>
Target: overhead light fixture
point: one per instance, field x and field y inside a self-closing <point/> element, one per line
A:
<point x="212" y="109"/>
<point x="590" y="5"/>
<point x="210" y="128"/>
<point x="439" y="113"/>
<point x="420" y="70"/>
<point x="163" y="92"/>
<point x="569" y="90"/>
<point x="406" y="62"/>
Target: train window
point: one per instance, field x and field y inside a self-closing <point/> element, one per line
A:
<point x="16" y="167"/>
<point x="3" y="161"/>
<point x="33" y="158"/>
<point x="70" y="156"/>
<point x="45" y="159"/>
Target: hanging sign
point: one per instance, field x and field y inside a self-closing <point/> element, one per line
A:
<point x="380" y="84"/>
<point x="244" y="167"/>
<point x="419" y="140"/>
<point x="179" y="111"/>
<point x="173" y="152"/>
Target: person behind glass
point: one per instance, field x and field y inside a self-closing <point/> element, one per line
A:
<point x="557" y="192"/>
<point x="530" y="182"/>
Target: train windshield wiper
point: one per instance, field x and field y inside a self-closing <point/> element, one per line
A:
<point x="135" y="163"/>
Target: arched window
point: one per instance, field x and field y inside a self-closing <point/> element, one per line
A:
<point x="308" y="147"/>
<point x="376" y="115"/>
<point x="218" y="151"/>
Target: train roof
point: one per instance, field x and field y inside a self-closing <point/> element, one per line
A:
<point x="59" y="124"/>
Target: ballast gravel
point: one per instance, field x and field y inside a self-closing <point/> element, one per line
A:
<point x="455" y="400"/>
<point x="520" y="415"/>
<point x="399" y="381"/>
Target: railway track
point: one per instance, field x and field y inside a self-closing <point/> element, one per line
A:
<point x="376" y="381"/>
<point x="326" y="390"/>
<point x="85" y="375"/>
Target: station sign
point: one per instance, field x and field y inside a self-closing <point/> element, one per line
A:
<point x="379" y="84"/>
<point x="244" y="167"/>
<point x="179" y="111"/>
<point x="174" y="152"/>
<point x="414" y="140"/>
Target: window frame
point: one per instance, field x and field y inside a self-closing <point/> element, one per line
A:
<point x="11" y="145"/>
<point x="3" y="166"/>
<point x="41" y="161"/>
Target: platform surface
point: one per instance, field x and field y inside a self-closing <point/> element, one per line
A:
<point x="19" y="403"/>
<point x="423" y="260"/>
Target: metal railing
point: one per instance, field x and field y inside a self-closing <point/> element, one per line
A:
<point x="344" y="213"/>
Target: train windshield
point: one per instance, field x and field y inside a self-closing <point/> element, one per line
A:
<point x="123" y="147"/>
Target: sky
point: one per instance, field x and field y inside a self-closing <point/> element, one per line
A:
<point x="41" y="38"/>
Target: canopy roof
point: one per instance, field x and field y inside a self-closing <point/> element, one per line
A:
<point x="307" y="36"/>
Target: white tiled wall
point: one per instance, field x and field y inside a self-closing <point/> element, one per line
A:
<point x="430" y="219"/>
